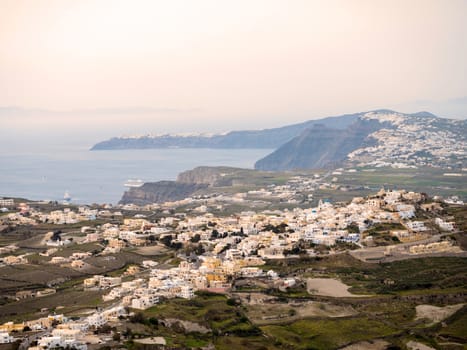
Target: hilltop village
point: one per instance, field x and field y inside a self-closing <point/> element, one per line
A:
<point x="210" y="252"/>
<point x="412" y="142"/>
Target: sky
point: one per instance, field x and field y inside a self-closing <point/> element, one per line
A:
<point x="95" y="69"/>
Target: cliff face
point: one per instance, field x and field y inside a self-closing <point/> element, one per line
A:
<point x="319" y="147"/>
<point x="200" y="175"/>
<point x="187" y="183"/>
<point x="158" y="192"/>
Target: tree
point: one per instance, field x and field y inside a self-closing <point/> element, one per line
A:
<point x="196" y="238"/>
<point x="128" y="333"/>
<point x="231" y="302"/>
<point x="176" y="246"/>
<point x="166" y="240"/>
<point x="138" y="318"/>
<point x="353" y="228"/>
<point x="200" y="250"/>
<point x="153" y="321"/>
<point x="227" y="246"/>
<point x="104" y="329"/>
<point x="56" y="236"/>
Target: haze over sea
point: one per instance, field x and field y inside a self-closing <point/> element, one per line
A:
<point x="99" y="176"/>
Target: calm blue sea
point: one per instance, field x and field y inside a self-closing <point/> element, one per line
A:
<point x="98" y="177"/>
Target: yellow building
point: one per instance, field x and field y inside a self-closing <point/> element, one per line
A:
<point x="212" y="263"/>
<point x="10" y="327"/>
<point x="135" y="223"/>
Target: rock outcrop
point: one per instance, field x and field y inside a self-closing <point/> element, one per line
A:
<point x="161" y="191"/>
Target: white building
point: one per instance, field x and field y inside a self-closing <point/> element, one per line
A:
<point x="444" y="225"/>
<point x="5" y="338"/>
<point x="416" y="226"/>
<point x="60" y="342"/>
<point x="97" y="320"/>
<point x="406" y="211"/>
<point x="67" y="334"/>
<point x="51" y="342"/>
<point x="251" y="272"/>
<point x="4" y="202"/>
<point x="186" y="292"/>
<point x="289" y="282"/>
<point x="145" y="301"/>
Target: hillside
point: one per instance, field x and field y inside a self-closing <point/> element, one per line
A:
<point x="380" y="138"/>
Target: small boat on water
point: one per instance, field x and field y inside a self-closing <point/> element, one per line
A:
<point x="134" y="183"/>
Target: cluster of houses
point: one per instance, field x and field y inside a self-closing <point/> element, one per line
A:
<point x="266" y="234"/>
<point x="411" y="142"/>
<point x="207" y="273"/>
<point x="325" y="224"/>
<point x="68" y="216"/>
<point x="216" y="250"/>
<point x="27" y="215"/>
<point x="254" y="232"/>
<point x="62" y="332"/>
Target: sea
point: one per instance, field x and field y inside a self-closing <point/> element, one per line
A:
<point x="99" y="176"/>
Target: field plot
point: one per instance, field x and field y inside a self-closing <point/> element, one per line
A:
<point x="222" y="320"/>
<point x="422" y="275"/>
<point x="377" y="344"/>
<point x="327" y="334"/>
<point x="67" y="301"/>
<point x="273" y="313"/>
<point x="436" y="314"/>
<point x="456" y="328"/>
<point x="366" y="181"/>
<point x="329" y="287"/>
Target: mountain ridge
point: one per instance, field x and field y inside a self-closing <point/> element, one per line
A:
<point x="264" y="138"/>
<point x="381" y="138"/>
<point x="236" y="139"/>
<point x="320" y="147"/>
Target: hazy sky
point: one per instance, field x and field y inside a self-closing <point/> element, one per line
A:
<point x="154" y="66"/>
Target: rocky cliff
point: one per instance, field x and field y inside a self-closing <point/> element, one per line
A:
<point x="200" y="175"/>
<point x="187" y="183"/>
<point x="159" y="192"/>
<point x="320" y="147"/>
